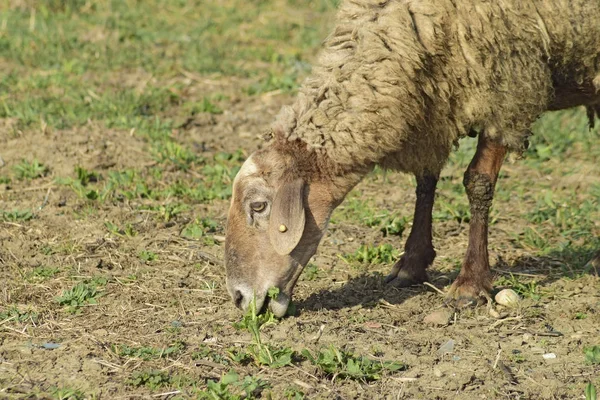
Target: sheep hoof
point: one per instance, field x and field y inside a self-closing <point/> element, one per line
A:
<point x="467" y="294"/>
<point x="405" y="277"/>
<point x="410" y="269"/>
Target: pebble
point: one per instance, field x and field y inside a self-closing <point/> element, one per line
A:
<point x="437" y="373"/>
<point x="507" y="298"/>
<point x="447" y="347"/>
<point x="537" y="350"/>
<point x="549" y="356"/>
<point x="527" y="337"/>
<point x="438" y="317"/>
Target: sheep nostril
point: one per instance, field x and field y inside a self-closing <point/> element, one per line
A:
<point x="238" y="297"/>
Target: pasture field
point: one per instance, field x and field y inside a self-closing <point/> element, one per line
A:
<point x="122" y="124"/>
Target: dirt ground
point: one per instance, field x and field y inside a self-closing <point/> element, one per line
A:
<point x="154" y="319"/>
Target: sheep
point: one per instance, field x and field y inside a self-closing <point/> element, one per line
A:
<point x="397" y="84"/>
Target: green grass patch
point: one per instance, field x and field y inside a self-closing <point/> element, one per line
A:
<point x="592" y="354"/>
<point x="367" y="254"/>
<point x="232" y="387"/>
<point x="147" y="353"/>
<point x="342" y="364"/>
<point x="16" y="215"/>
<point x="78" y="296"/>
<point x="17" y="315"/>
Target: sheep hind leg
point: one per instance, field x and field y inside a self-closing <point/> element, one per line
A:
<point x="474" y="281"/>
<point x="418" y="250"/>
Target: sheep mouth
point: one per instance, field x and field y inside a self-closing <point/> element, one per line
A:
<point x="278" y="305"/>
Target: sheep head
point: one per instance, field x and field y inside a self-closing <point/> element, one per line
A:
<point x="277" y="217"/>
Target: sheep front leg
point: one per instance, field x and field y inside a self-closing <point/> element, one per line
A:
<point x="475" y="279"/>
<point x="418" y="251"/>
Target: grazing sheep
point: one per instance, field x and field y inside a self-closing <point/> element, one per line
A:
<point x="397" y="84"/>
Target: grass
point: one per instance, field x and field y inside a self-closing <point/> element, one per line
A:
<point x="147" y="353"/>
<point x="29" y="170"/>
<point x="78" y="296"/>
<point x="19" y="315"/>
<point x="369" y="255"/>
<point x="338" y="363"/>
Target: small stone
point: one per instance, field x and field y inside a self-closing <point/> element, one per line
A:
<point x="437" y="373"/>
<point x="438" y="317"/>
<point x="549" y="356"/>
<point x="282" y="228"/>
<point x="494" y="313"/>
<point x="447" y="347"/>
<point x="51" y="346"/>
<point x="527" y="337"/>
<point x="537" y="350"/>
<point x="507" y="298"/>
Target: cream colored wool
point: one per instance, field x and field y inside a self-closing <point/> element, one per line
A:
<point x="399" y="82"/>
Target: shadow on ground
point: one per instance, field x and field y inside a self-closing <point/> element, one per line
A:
<point x="368" y="290"/>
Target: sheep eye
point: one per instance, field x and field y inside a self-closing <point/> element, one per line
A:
<point x="258" y="206"/>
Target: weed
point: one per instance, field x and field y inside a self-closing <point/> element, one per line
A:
<point x="78" y="296"/>
<point x="179" y="156"/>
<point x="4" y="180"/>
<point x="14" y="314"/>
<point x="590" y="392"/>
<point x="367" y="254"/>
<point x="199" y="228"/>
<point x="592" y="354"/>
<point x="16" y="215"/>
<point x="40" y="274"/>
<point x="204" y="106"/>
<point x="580" y="315"/>
<point x="311" y="272"/>
<point x="127" y="231"/>
<point x="231" y="387"/>
<point x="343" y="364"/>
<point x="293" y="393"/>
<point x="261" y="353"/>
<point x="147" y="353"/>
<point x="147" y="256"/>
<point x="204" y="352"/>
<point x="30" y="170"/>
<point x="152" y="379"/>
<point x="68" y="394"/>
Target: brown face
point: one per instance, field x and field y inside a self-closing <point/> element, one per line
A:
<point x="275" y="223"/>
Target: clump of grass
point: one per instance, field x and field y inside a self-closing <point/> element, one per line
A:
<point x="147" y="256"/>
<point x="590" y="392"/>
<point x="199" y="228"/>
<point x="592" y="354"/>
<point x="338" y="363"/>
<point x="126" y="231"/>
<point x="147" y="353"/>
<point x="30" y="170"/>
<point x="66" y="393"/>
<point x="16" y="215"/>
<point x="78" y="296"/>
<point x="367" y="254"/>
<point x="259" y="352"/>
<point x="232" y="387"/>
<point x="17" y="315"/>
<point x="152" y="379"/>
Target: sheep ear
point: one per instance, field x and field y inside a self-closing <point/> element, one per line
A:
<point x="286" y="224"/>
